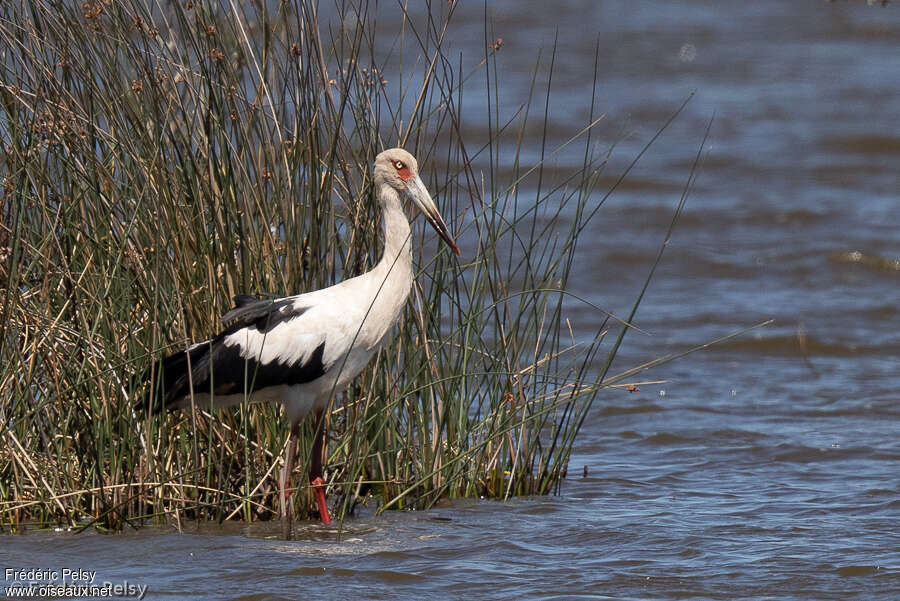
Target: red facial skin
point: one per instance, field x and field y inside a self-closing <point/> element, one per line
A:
<point x="403" y="172"/>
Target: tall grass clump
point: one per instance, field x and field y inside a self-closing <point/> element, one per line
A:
<point x="159" y="158"/>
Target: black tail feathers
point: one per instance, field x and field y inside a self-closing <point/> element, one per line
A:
<point x="169" y="379"/>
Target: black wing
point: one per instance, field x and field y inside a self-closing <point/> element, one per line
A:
<point x="214" y="367"/>
<point x="264" y="315"/>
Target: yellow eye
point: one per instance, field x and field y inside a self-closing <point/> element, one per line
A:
<point x="399" y="165"/>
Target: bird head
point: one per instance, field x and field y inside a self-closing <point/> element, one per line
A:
<point x="398" y="169"/>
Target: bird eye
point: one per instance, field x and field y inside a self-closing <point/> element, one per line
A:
<point x="399" y="165"/>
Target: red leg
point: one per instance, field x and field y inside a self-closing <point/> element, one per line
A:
<point x="315" y="469"/>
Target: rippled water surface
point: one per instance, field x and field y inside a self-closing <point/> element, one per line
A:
<point x="764" y="468"/>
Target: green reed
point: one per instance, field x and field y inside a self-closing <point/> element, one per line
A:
<point x="159" y="158"/>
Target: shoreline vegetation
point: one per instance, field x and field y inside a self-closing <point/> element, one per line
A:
<point x="160" y="158"/>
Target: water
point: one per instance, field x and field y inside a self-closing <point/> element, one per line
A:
<point x="764" y="468"/>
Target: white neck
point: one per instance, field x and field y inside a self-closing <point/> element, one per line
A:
<point x="390" y="281"/>
<point x="397" y="258"/>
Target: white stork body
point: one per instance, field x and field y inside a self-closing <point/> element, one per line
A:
<point x="300" y="350"/>
<point x="351" y="319"/>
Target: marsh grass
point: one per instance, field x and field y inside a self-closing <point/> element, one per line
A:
<point x="159" y="158"/>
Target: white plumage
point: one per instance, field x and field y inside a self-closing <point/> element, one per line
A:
<point x="301" y="350"/>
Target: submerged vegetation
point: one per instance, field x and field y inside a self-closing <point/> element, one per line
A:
<point x="159" y="158"/>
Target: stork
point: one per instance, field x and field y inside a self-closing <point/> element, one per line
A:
<point x="301" y="350"/>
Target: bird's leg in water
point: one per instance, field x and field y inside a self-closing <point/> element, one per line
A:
<point x="287" y="513"/>
<point x="315" y="469"/>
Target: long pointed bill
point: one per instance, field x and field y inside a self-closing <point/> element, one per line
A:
<point x="419" y="195"/>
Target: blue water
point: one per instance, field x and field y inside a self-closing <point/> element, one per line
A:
<point x="763" y="468"/>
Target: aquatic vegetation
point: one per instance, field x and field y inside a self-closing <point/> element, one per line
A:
<point x="160" y="158"/>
